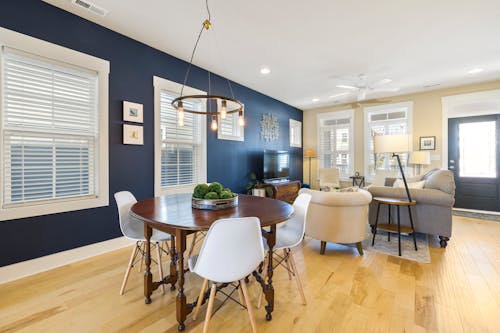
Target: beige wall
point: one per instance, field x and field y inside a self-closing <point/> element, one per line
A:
<point x="427" y="121"/>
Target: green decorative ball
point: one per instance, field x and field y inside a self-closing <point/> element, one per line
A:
<point x="226" y="195"/>
<point x="215" y="187"/>
<point x="212" y="195"/>
<point x="200" y="191"/>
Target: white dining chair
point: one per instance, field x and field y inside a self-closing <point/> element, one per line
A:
<point x="134" y="230"/>
<point x="232" y="250"/>
<point x="287" y="237"/>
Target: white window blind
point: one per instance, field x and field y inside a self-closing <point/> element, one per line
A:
<point x="388" y="121"/>
<point x="181" y="155"/>
<point x="49" y="130"/>
<point x="335" y="142"/>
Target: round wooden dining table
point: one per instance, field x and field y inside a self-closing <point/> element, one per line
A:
<point x="174" y="215"/>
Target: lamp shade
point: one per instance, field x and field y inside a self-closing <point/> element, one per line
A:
<point x="420" y="157"/>
<point x="310" y="153"/>
<point x="391" y="143"/>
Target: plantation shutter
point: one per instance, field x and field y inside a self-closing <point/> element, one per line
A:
<point x="180" y="146"/>
<point x="334" y="145"/>
<point x="49" y="129"/>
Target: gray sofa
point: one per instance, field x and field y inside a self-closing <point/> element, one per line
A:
<point x="432" y="213"/>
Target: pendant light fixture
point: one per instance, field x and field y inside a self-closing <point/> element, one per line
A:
<point x="223" y="105"/>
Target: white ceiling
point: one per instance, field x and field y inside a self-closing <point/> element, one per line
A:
<point x="312" y="46"/>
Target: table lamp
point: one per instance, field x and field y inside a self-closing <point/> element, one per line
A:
<point x="420" y="158"/>
<point x="393" y="144"/>
<point x="310" y="153"/>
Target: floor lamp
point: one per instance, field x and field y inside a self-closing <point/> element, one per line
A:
<point x="393" y="144"/>
<point x="310" y="154"/>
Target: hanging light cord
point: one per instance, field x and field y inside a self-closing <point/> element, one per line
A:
<point x="203" y="27"/>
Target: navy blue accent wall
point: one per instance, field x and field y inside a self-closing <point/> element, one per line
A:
<point x="133" y="66"/>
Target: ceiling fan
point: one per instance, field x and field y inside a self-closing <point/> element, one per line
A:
<point x="363" y="87"/>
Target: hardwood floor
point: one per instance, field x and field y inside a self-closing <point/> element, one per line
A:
<point x="458" y="292"/>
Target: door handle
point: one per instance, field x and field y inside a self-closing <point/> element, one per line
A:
<point x="451" y="167"/>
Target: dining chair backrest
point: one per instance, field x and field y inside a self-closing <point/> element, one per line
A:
<point x="232" y="249"/>
<point x="298" y="221"/>
<point x="124" y="201"/>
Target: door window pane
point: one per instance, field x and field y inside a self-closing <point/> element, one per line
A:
<point x="477" y="142"/>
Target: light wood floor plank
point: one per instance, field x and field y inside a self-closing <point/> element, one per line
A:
<point x="458" y="292"/>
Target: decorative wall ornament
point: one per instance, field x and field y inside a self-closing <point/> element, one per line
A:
<point x="269" y="127"/>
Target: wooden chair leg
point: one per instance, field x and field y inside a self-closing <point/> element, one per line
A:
<point x="129" y="268"/>
<point x="249" y="305"/>
<point x="160" y="268"/>
<point x="297" y="278"/>
<point x="200" y="299"/>
<point x="210" y="307"/>
<point x="360" y="248"/>
<point x="264" y="276"/>
<point x="285" y="254"/>
<point x="323" y="247"/>
<point x="142" y="248"/>
<point x="193" y="242"/>
<point x="240" y="294"/>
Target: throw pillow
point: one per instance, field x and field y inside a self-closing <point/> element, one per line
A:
<point x="441" y="180"/>
<point x="349" y="189"/>
<point x="400" y="184"/>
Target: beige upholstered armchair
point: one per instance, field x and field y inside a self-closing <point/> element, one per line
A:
<point x="338" y="217"/>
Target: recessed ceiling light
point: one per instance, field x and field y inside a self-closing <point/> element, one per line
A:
<point x="265" y="70"/>
<point x="315" y="100"/>
<point x="475" y="70"/>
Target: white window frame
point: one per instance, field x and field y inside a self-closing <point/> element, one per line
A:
<point x="370" y="110"/>
<point x="295" y="133"/>
<point x="55" y="53"/>
<point x="161" y="84"/>
<point x="342" y="114"/>
<point x="238" y="131"/>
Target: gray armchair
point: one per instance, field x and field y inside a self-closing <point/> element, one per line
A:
<point x="432" y="213"/>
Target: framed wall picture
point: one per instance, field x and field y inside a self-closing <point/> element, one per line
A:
<point x="133" y="135"/>
<point x="132" y="112"/>
<point x="427" y="143"/>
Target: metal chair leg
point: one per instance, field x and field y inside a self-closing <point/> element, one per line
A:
<point x="412" y="228"/>
<point x="376" y="224"/>
<point x="399" y="232"/>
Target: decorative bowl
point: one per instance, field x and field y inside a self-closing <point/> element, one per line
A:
<point x="214" y="204"/>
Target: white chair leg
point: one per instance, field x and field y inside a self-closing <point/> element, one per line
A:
<point x="129" y="267"/>
<point x="200" y="299"/>
<point x="210" y="307"/>
<point x="248" y="304"/>
<point x="285" y="254"/>
<point x="297" y="278"/>
<point x="160" y="268"/>
<point x="264" y="276"/>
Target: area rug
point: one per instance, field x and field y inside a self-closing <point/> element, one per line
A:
<point x="407" y="249"/>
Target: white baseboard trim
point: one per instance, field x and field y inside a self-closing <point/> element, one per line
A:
<point x="42" y="264"/>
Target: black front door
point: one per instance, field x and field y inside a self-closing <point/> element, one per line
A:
<point x="473" y="156"/>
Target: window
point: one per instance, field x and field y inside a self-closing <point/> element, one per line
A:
<point x="180" y="152"/>
<point x="295" y="133"/>
<point x="53" y="133"/>
<point x="386" y="120"/>
<point x="229" y="128"/>
<point x="336" y="146"/>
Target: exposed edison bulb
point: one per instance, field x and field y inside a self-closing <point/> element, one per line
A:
<point x="213" y="126"/>
<point x="180" y="117"/>
<point x="223" y="109"/>
<point x="241" y="120"/>
<point x="180" y="106"/>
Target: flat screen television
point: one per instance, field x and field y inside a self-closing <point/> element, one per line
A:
<point x="276" y="164"/>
